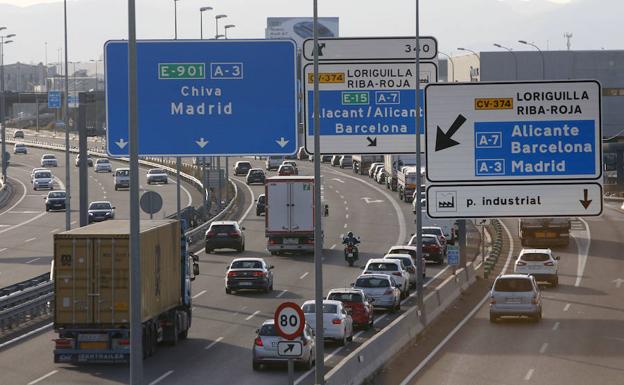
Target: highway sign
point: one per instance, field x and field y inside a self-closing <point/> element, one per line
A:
<point x="73" y="100"/>
<point x="291" y="349"/>
<point x="54" y="99"/>
<point x="289" y="320"/>
<point x="452" y="255"/>
<point x="151" y="202"/>
<point x="372" y="48"/>
<point x="521" y="131"/>
<point x="366" y="107"/>
<point x="196" y="98"/>
<point x="513" y="200"/>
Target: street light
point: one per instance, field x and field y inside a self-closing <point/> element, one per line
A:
<point x="201" y="20"/>
<point x="228" y="27"/>
<point x="175" y="18"/>
<point x="66" y="122"/>
<point x="3" y="130"/>
<point x="541" y="54"/>
<point x="511" y="52"/>
<point x="472" y="52"/>
<point x="452" y="65"/>
<point x="217" y="25"/>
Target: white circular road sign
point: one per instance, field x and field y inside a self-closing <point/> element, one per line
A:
<point x="289" y="320"/>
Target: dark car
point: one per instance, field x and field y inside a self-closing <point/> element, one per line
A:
<point x="255" y="175"/>
<point x="100" y="211"/>
<point x="55" y="200"/>
<point x="242" y="167"/>
<point x="18" y="134"/>
<point x="248" y="274"/>
<point x="261" y="205"/>
<point x="286" y="170"/>
<point x="326" y="158"/>
<point x="225" y="235"/>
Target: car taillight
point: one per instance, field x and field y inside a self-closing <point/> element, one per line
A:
<point x="309" y="241"/>
<point x="232" y="274"/>
<point x="63" y="343"/>
<point x="234" y="234"/>
<point x="534" y="300"/>
<point x="259" y="273"/>
<point x="397" y="273"/>
<point x="336" y="321"/>
<point x="388" y="292"/>
<point x="492" y="301"/>
<point x="258" y="341"/>
<point x="210" y="234"/>
<point x="124" y="341"/>
<point x="520" y="263"/>
<point x="549" y="263"/>
<point x="272" y="241"/>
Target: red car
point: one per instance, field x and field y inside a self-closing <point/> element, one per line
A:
<point x="359" y="304"/>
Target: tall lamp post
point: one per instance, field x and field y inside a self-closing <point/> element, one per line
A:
<point x="201" y="20"/>
<point x="512" y="53"/>
<point x="452" y="65"/>
<point x="474" y="53"/>
<point x="66" y="121"/>
<point x="217" y="24"/>
<point x="178" y="159"/>
<point x="227" y="159"/>
<point x="203" y="158"/>
<point x="541" y="54"/>
<point x="175" y="19"/>
<point x="226" y="29"/>
<point x="3" y="133"/>
<point x="219" y="188"/>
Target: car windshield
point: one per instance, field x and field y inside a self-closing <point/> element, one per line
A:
<point x="244" y="165"/>
<point x="433" y="231"/>
<point x="403" y="251"/>
<point x="534" y="257"/>
<point x="246" y="265"/>
<point x="513" y="285"/>
<point x="56" y="194"/>
<point x="48" y="157"/>
<point x="382" y="267"/>
<point x="327" y="308"/>
<point x="268" y="330"/>
<point x="406" y="261"/>
<point x="43" y="174"/>
<point x="20" y="145"/>
<point x="372" y="282"/>
<point x="222" y="228"/>
<point x="286" y="167"/>
<point x="122" y="172"/>
<point x="102" y="161"/>
<point x="156" y="171"/>
<point x="100" y="206"/>
<point x="345" y="297"/>
<point x="256" y="172"/>
<point x="429" y="241"/>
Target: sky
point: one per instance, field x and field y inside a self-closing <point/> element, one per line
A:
<point x="474" y="24"/>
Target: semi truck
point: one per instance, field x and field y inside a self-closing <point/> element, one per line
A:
<point x="91" y="275"/>
<point x="392" y="164"/>
<point x="407" y="177"/>
<point x="544" y="231"/>
<point x="361" y="163"/>
<point x="289" y="216"/>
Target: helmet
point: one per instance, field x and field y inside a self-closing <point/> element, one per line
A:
<point x="350" y="234"/>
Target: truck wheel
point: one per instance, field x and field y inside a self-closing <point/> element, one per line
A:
<point x="184" y="334"/>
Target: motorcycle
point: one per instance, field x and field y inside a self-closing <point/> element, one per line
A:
<point x="351" y="253"/>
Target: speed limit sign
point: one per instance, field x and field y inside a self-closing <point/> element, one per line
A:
<point x="289" y="320"/>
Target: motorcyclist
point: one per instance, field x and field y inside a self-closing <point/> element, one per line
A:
<point x="350" y="239"/>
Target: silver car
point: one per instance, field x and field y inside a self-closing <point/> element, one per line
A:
<point x="265" y="347"/>
<point x="383" y="290"/>
<point x="337" y="321"/>
<point x="49" y="160"/>
<point x="409" y="266"/>
<point x="103" y="165"/>
<point x="515" y="295"/>
<point x="392" y="268"/>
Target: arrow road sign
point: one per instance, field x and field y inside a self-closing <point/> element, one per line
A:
<point x="618" y="282"/>
<point x="585" y="202"/>
<point x="370" y="200"/>
<point x="289" y="320"/>
<point x="372" y="142"/>
<point x="292" y="349"/>
<point x="443" y="140"/>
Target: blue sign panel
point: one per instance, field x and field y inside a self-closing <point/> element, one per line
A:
<point x="529" y="148"/>
<point x="54" y="99"/>
<point x="453" y="256"/>
<point x="196" y="98"/>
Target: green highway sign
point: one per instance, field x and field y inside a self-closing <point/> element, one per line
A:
<point x="355" y="98"/>
<point x="181" y="71"/>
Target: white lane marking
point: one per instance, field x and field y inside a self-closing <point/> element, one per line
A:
<point x="345" y="226"/>
<point x="25" y="212"/>
<point x="213" y="343"/>
<point x="198" y="294"/>
<point x="337" y="180"/>
<point x="529" y="374"/>
<point x="23" y="223"/>
<point x="43" y="377"/>
<point x="346" y="208"/>
<point x="474" y="311"/>
<point x="346" y="216"/>
<point x="304" y="275"/>
<point x="338" y="192"/>
<point x="33" y="260"/>
<point x="253" y="202"/>
<point x="74" y="222"/>
<point x="281" y="293"/>
<point x="342" y="197"/>
<point x="156" y="381"/>
<point x="19" y="200"/>
<point x="341" y="237"/>
<point x="29" y="240"/>
<point x="3" y="249"/>
<point x="566" y="307"/>
<point x="556" y="326"/>
<point x="543" y="348"/>
<point x="345" y="202"/>
<point x="333" y="246"/>
<point x="582" y="245"/>
<point x="252" y="315"/>
<point x="55" y="231"/>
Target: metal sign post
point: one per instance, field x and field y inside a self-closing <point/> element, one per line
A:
<point x="419" y="257"/>
<point x="292" y="350"/>
<point x="289" y="322"/>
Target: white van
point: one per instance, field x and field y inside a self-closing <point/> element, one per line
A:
<point x="121" y="178"/>
<point x="273" y="162"/>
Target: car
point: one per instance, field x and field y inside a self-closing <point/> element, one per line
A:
<point x="380" y="175"/>
<point x="345" y="161"/>
<point x="382" y="289"/>
<point x="411" y="250"/>
<point x="302" y="154"/>
<point x="540" y="263"/>
<point x="18" y="134"/>
<point x="409" y="264"/>
<point x="273" y="162"/>
<point x="515" y="295"/>
<point x="255" y="175"/>
<point x="103" y="165"/>
<point x="358" y="302"/>
<point x="337" y="323"/>
<point x="261" y="205"/>
<point x="292" y="163"/>
<point x="43" y="179"/>
<point x="121" y="178"/>
<point x="55" y="200"/>
<point x="157" y="175"/>
<point x="89" y="160"/>
<point x="49" y="160"/>
<point x="326" y="158"/>
<point x="374" y="167"/>
<point x="34" y="170"/>
<point x="286" y="170"/>
<point x="264" y="349"/>
<point x="20" y="148"/>
<point x="242" y="167"/>
<point x="248" y="274"/>
<point x="225" y="235"/>
<point x="100" y="211"/>
<point x="438" y="232"/>
<point x="335" y="160"/>
<point x="392" y="268"/>
<point x="431" y="248"/>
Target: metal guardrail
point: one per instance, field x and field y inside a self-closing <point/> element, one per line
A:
<point x="25" y="301"/>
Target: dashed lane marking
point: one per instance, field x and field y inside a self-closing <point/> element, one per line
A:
<point x="252" y="315"/>
<point x="43" y="377"/>
<point x="556" y="326"/>
<point x="304" y="275"/>
<point x="198" y="294"/>
<point x="156" y="381"/>
<point x="566" y="307"/>
<point x="529" y="374"/>
<point x="543" y="348"/>
<point x="213" y="343"/>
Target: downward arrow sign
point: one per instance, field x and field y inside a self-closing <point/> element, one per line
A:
<point x="443" y="140"/>
<point x="618" y="282"/>
<point x="585" y="202"/>
<point x="371" y="142"/>
<point x="282" y="142"/>
<point x="201" y="142"/>
<point x="121" y="143"/>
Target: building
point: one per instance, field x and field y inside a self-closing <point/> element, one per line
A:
<point x="20" y="77"/>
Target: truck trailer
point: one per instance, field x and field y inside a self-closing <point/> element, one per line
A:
<point x="91" y="275"/>
<point x="392" y="165"/>
<point x="544" y="231"/>
<point x="361" y="163"/>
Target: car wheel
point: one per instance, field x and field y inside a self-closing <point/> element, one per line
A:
<point x="47" y="209"/>
<point x="555" y="282"/>
<point x="310" y="363"/>
<point x="343" y="340"/>
<point x="371" y="323"/>
<point x="255" y="366"/>
<point x="228" y="290"/>
<point x="116" y="188"/>
<point x="493" y="318"/>
<point x="397" y="307"/>
<point x="207" y="250"/>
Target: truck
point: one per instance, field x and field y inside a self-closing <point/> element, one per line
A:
<point x="392" y="164"/>
<point x="544" y="231"/>
<point x="289" y="214"/>
<point x="91" y="277"/>
<point x="361" y="163"/>
<point x="407" y="177"/>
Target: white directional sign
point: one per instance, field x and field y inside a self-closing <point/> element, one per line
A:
<point x="291" y="349"/>
<point x="372" y="48"/>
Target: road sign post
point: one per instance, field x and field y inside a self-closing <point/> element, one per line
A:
<point x="292" y="350"/>
<point x="289" y="322"/>
<point x="151" y="202"/>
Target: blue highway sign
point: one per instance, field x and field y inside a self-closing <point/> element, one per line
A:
<point x="54" y="99"/>
<point x="196" y="98"/>
<point x="453" y="255"/>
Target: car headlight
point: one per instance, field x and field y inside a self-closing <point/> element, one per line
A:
<point x="90" y="214"/>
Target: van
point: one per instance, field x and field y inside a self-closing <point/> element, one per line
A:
<point x="121" y="177"/>
<point x="273" y="162"/>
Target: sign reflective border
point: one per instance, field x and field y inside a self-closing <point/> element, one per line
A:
<point x="289" y="320"/>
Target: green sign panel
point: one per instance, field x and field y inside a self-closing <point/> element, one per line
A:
<point x="355" y="98"/>
<point x="181" y="71"/>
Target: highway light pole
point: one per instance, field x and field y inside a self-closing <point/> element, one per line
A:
<point x="227" y="158"/>
<point x="178" y="159"/>
<point x="541" y="55"/>
<point x="450" y="59"/>
<point x="217" y="24"/>
<point x="175" y="19"/>
<point x="3" y="133"/>
<point x="66" y="121"/>
<point x="201" y="20"/>
<point x="226" y="29"/>
<point x="419" y="256"/>
<point x="512" y="53"/>
<point x="203" y="158"/>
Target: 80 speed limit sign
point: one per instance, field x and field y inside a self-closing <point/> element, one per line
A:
<point x="289" y="320"/>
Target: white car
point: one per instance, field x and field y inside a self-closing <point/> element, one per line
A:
<point x="411" y="250"/>
<point x="540" y="263"/>
<point x="409" y="265"/>
<point x="121" y="178"/>
<point x="49" y="160"/>
<point x="157" y="175"/>
<point x="43" y="179"/>
<point x="34" y="170"/>
<point x="103" y="165"/>
<point x="337" y="322"/>
<point x="390" y="267"/>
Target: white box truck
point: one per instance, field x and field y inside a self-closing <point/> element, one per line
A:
<point x="289" y="220"/>
<point x="393" y="163"/>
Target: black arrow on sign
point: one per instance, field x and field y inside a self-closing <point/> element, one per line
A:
<point x="371" y="142"/>
<point x="289" y="348"/>
<point x="585" y="202"/>
<point x="443" y="140"/>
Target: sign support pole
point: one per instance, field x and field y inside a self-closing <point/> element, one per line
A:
<point x="291" y="371"/>
<point x="66" y="120"/>
<point x="319" y="371"/>
<point x="419" y="256"/>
